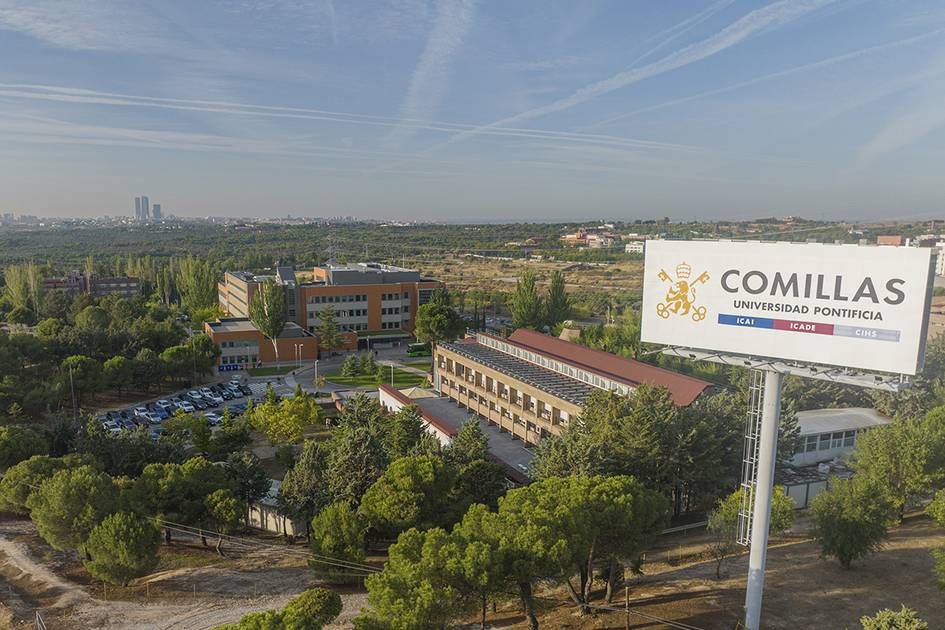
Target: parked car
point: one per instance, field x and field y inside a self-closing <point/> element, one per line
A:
<point x="140" y="411"/>
<point x="166" y="405"/>
<point x="193" y="394"/>
<point x="213" y="419"/>
<point x="187" y="407"/>
<point x="111" y="426"/>
<point x="225" y="395"/>
<point x="156" y="433"/>
<point x="236" y="392"/>
<point x="202" y="404"/>
<point x="214" y="399"/>
<point x="246" y="390"/>
<point x="205" y="391"/>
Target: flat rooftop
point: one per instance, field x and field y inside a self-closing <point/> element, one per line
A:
<point x="502" y="446"/>
<point x="548" y="381"/>
<point x="827" y="420"/>
<point x="244" y="325"/>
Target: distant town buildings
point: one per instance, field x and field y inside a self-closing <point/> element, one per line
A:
<point x="895" y="240"/>
<point x="144" y="211"/>
<point x="97" y="286"/>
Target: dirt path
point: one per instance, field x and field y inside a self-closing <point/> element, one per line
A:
<point x="224" y="593"/>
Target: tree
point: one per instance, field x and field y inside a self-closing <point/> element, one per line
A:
<point x="350" y="366"/>
<point x="83" y="374"/>
<point x="147" y="369"/>
<point x="479" y="481"/>
<point x="196" y="283"/>
<point x="851" y="519"/>
<point x="557" y="304"/>
<point x="19" y="443"/>
<point x="723" y="523"/>
<point x="224" y="513"/>
<point x="412" y="492"/>
<point x="475" y="567"/>
<point x="905" y="458"/>
<point x="68" y="505"/>
<point x="267" y="311"/>
<point x="886" y="619"/>
<point x="437" y="322"/>
<point x="247" y="476"/>
<point x="528" y="309"/>
<point x="404" y="431"/>
<point x="21" y="480"/>
<point x="356" y="460"/>
<point x="303" y="491"/>
<point x="117" y="372"/>
<point x="411" y="592"/>
<point x="309" y="610"/>
<point x="122" y="547"/>
<point x="469" y="445"/>
<point x="337" y="532"/>
<point x="284" y="421"/>
<point x="329" y="337"/>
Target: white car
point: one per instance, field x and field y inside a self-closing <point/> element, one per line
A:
<point x="213" y="419"/>
<point x="152" y="418"/>
<point x="140" y="411"/>
<point x="194" y="394"/>
<point x="214" y="399"/>
<point x="186" y="407"/>
<point x="234" y="383"/>
<point x="111" y="426"/>
<point x="166" y="405"/>
<point x="205" y="391"/>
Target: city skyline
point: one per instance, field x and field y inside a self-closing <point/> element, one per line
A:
<point x="463" y="111"/>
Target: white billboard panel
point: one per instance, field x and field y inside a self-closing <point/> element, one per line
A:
<point x="846" y="305"/>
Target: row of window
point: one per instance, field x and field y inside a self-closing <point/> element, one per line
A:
<point x="390" y="325"/>
<point x="395" y="310"/>
<point x="503" y="391"/>
<point x="395" y="296"/>
<point x="352" y="327"/>
<point x="250" y="359"/>
<point x="337" y="299"/>
<point x="502" y="411"/>
<point x="825" y="441"/>
<point x="556" y="366"/>
<point x="238" y="344"/>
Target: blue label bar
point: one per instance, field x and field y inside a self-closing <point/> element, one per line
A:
<point x="746" y="320"/>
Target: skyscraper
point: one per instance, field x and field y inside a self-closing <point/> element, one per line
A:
<point x="145" y="208"/>
<point x="156" y="212"/>
<point x="137" y="208"/>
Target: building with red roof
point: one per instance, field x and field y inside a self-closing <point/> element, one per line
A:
<point x="532" y="385"/>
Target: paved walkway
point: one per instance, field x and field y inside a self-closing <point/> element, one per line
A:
<point x="405" y="368"/>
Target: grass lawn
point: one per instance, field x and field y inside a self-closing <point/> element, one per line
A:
<point x="271" y="371"/>
<point x="422" y="364"/>
<point x="401" y="379"/>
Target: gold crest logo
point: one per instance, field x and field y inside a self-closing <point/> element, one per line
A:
<point x="681" y="293"/>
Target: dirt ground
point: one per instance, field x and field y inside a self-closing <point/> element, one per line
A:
<point x="194" y="589"/>
<point x="463" y="272"/>
<point x="801" y="590"/>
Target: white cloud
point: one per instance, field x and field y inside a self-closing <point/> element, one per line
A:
<point x="766" y="18"/>
<point x="428" y="82"/>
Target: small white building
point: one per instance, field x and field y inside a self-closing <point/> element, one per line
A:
<point x="264" y="514"/>
<point x="827" y="434"/>
<point x="635" y="247"/>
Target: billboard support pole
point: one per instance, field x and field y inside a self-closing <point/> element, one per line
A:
<point x="763" y="489"/>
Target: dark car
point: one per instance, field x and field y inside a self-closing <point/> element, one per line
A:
<point x="246" y="391"/>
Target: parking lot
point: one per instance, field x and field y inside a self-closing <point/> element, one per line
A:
<point x="208" y="401"/>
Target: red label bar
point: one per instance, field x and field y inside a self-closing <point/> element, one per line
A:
<point x="805" y="327"/>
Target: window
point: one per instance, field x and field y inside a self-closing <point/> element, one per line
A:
<point x="824" y="442"/>
<point x="836" y="440"/>
<point x="849" y="437"/>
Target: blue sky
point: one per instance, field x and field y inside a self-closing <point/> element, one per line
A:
<point x="473" y="110"/>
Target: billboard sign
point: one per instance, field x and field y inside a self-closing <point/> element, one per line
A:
<point x="845" y="305"/>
